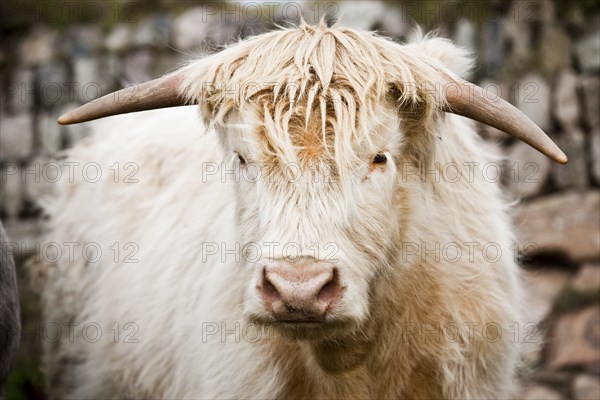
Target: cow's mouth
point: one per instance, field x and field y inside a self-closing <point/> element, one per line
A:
<point x="309" y="329"/>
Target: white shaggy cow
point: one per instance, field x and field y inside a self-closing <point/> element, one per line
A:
<point x="365" y="268"/>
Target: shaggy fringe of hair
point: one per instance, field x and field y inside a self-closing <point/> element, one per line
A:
<point x="338" y="73"/>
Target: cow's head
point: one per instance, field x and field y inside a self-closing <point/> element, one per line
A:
<point x="318" y="121"/>
<point x="316" y="208"/>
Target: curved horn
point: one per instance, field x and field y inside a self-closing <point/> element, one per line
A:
<point x="158" y="93"/>
<point x="464" y="98"/>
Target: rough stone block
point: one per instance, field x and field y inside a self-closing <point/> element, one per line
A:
<point x="574" y="174"/>
<point x="12" y="190"/>
<point x="575" y="340"/>
<point x="566" y="222"/>
<point x="16" y="137"/>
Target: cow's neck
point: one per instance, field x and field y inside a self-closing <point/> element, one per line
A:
<point x="341" y="356"/>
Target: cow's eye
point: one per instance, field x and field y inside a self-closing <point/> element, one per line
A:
<point x="380" y="159"/>
<point x="242" y="159"/>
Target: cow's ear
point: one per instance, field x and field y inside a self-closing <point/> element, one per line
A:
<point x="457" y="59"/>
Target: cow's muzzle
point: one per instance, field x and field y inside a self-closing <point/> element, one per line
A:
<point x="299" y="292"/>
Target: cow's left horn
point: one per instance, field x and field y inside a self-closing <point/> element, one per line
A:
<point x="464" y="98"/>
<point x="158" y="93"/>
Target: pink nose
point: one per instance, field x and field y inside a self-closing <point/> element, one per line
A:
<point x="300" y="291"/>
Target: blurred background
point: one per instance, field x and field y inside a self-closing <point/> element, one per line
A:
<point x="541" y="55"/>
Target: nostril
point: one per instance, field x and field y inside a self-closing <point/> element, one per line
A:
<point x="331" y="291"/>
<point x="268" y="291"/>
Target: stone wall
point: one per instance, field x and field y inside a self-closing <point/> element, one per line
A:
<point x="543" y="56"/>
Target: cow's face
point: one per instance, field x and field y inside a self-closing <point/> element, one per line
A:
<point x="317" y="222"/>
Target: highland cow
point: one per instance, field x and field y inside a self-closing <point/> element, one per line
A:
<point x="213" y="303"/>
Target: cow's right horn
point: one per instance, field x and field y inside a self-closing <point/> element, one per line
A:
<point x="158" y="93"/>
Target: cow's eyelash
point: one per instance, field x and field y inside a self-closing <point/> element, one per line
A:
<point x="240" y="158"/>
